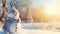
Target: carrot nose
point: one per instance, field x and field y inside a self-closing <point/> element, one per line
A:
<point x="15" y="14"/>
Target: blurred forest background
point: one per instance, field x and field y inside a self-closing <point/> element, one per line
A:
<point x="36" y="10"/>
<point x="31" y="11"/>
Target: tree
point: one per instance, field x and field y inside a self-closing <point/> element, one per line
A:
<point x="23" y="6"/>
<point x="4" y="11"/>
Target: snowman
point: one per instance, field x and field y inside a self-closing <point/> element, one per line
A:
<point x="13" y="22"/>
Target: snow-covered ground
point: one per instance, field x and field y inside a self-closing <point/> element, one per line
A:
<point x="36" y="32"/>
<point x="1" y="31"/>
<point x="40" y="25"/>
<point x="27" y="28"/>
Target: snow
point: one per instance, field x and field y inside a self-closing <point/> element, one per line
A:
<point x="23" y="31"/>
<point x="28" y="29"/>
<point x="38" y="32"/>
<point x="1" y="31"/>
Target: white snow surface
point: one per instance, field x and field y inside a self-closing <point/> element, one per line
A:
<point x="33" y="31"/>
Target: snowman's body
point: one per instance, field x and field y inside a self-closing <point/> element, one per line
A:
<point x="15" y="27"/>
<point x="13" y="24"/>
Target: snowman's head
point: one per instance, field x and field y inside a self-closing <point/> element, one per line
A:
<point x="13" y="13"/>
<point x="16" y="14"/>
